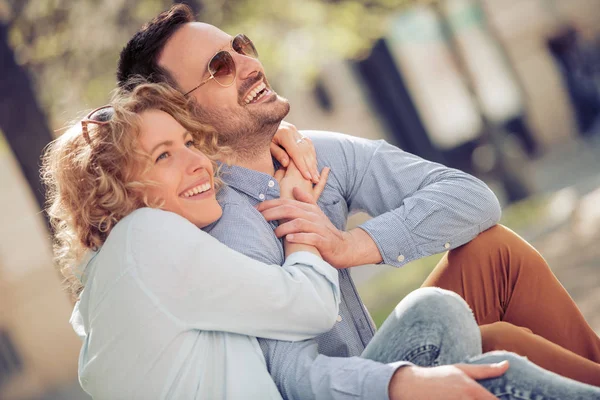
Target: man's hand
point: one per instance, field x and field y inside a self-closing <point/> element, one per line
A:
<point x="450" y="382"/>
<point x="307" y="224"/>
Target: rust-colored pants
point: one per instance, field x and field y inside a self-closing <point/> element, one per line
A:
<point x="519" y="304"/>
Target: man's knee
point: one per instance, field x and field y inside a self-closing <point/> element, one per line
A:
<point x="492" y="236"/>
<point x="490" y="240"/>
<point x="492" y="252"/>
<point x="497" y="238"/>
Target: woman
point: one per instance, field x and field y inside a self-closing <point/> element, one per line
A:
<point x="168" y="312"/>
<point x="157" y="289"/>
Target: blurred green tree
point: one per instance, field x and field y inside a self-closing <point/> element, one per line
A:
<point x="60" y="55"/>
<point x="71" y="48"/>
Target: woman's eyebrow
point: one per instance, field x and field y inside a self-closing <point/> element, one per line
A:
<point x="168" y="142"/>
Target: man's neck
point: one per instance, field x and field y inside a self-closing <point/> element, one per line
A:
<point x="262" y="162"/>
<point x="255" y="153"/>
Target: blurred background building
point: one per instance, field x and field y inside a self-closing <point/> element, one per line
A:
<point x="507" y="90"/>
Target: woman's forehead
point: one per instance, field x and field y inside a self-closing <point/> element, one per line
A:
<point x="157" y="125"/>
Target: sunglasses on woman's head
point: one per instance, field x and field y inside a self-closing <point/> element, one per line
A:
<point x="99" y="116"/>
<point x="221" y="66"/>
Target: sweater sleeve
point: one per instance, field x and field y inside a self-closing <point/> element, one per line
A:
<point x="203" y="284"/>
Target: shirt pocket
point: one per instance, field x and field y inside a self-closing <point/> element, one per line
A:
<point x="335" y="208"/>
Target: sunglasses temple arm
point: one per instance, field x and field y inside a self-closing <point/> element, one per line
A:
<point x="85" y="133"/>
<point x="201" y="84"/>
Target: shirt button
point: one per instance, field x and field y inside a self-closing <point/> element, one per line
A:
<point x="271" y="183"/>
<point x="261" y="196"/>
<point x="447" y="245"/>
<point x="401" y="258"/>
<point x="339" y="318"/>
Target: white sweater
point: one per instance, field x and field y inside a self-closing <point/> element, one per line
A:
<point x="169" y="312"/>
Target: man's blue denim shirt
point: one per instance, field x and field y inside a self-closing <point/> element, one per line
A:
<point x="419" y="208"/>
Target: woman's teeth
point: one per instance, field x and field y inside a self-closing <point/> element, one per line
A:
<point x="198" y="189"/>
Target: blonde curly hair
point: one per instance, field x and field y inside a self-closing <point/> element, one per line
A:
<point x="90" y="175"/>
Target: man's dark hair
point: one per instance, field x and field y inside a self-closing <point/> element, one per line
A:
<point x="139" y="57"/>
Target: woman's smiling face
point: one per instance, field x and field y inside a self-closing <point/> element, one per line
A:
<point x="183" y="174"/>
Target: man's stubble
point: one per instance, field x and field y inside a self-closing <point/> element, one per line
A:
<point x="248" y="134"/>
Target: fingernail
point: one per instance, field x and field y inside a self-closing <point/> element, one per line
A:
<point x="284" y="161"/>
<point x="501" y="364"/>
<point x="290" y="237"/>
<point x="309" y="175"/>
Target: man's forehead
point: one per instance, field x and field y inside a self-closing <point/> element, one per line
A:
<point x="193" y="43"/>
<point x="199" y="33"/>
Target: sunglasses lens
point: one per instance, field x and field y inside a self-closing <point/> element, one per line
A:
<point x="103" y="114"/>
<point x="243" y="45"/>
<point x="222" y="68"/>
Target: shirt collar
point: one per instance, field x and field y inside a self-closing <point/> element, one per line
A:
<point x="250" y="182"/>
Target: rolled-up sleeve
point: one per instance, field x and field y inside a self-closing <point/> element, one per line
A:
<point x="419" y="207"/>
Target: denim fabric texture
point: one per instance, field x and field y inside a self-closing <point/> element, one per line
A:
<point x="432" y="327"/>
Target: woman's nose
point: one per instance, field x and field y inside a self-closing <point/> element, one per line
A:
<point x="197" y="160"/>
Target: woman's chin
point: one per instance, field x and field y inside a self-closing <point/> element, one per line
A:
<point x="200" y="213"/>
<point x="209" y="215"/>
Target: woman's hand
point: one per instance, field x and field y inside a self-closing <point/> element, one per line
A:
<point x="291" y="182"/>
<point x="289" y="143"/>
<point x="291" y="177"/>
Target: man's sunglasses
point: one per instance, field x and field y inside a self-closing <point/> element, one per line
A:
<point x="221" y="66"/>
<point x="99" y="116"/>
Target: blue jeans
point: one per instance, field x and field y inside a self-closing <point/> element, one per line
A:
<point x="432" y="327"/>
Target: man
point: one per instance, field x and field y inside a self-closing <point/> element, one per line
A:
<point x="419" y="208"/>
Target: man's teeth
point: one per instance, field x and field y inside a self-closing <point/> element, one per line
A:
<point x="198" y="189"/>
<point x="251" y="96"/>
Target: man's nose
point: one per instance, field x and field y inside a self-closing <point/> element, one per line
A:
<point x="247" y="66"/>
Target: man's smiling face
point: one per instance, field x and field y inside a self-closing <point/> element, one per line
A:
<point x="186" y="56"/>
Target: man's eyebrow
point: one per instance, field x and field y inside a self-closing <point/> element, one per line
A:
<point x="167" y="142"/>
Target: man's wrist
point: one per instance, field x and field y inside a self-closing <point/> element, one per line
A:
<point x="360" y="249"/>
<point x="291" y="248"/>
